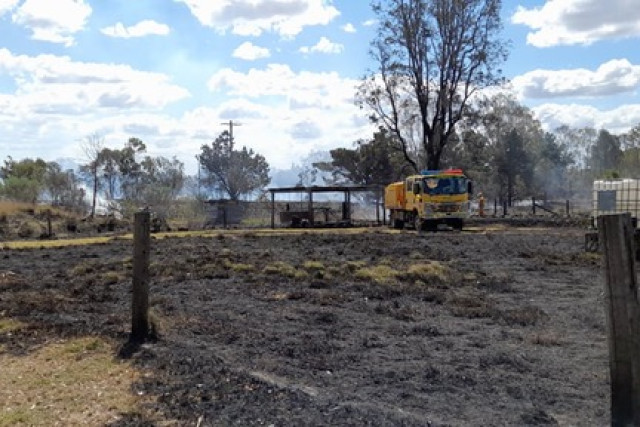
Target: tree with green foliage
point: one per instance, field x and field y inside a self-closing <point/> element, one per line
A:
<point x="606" y="154"/>
<point x="63" y="188"/>
<point x="374" y="162"/>
<point x="551" y="167"/>
<point x="234" y="173"/>
<point x="630" y="162"/>
<point x="24" y="180"/>
<point x="130" y="169"/>
<point x="432" y="57"/>
<point x="473" y="153"/>
<point x="20" y="189"/>
<point x="110" y="160"/>
<point x="513" y="166"/>
<point x="26" y="168"/>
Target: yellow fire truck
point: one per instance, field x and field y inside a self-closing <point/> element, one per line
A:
<point x="429" y="199"/>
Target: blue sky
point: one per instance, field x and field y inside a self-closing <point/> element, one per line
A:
<point x="172" y="71"/>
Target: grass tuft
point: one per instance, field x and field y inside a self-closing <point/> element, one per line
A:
<point x="111" y="278"/>
<point x="10" y="325"/>
<point x="285" y="269"/>
<point x="82" y="269"/>
<point x="379" y="273"/>
<point x="428" y="271"/>
<point x="313" y="266"/>
<point x="238" y="267"/>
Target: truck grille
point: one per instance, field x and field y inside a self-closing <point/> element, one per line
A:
<point x="448" y="207"/>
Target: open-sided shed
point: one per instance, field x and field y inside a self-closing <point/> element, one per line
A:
<point x="308" y="214"/>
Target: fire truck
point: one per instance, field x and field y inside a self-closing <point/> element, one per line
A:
<point x="429" y="199"/>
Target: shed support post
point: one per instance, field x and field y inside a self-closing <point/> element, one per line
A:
<point x="311" y="221"/>
<point x="273" y="210"/>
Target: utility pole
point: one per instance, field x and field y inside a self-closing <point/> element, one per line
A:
<point x="231" y="125"/>
<point x="199" y="192"/>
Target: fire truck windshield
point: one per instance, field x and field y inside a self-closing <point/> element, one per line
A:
<point x="447" y="185"/>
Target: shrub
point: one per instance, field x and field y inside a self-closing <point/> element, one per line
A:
<point x="28" y="229"/>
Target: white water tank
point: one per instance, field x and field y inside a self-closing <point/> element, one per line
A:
<point x="616" y="196"/>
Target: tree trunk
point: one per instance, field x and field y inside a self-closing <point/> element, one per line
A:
<point x="95" y="192"/>
<point x="509" y="190"/>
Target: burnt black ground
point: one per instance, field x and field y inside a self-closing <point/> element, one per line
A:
<point x="253" y="333"/>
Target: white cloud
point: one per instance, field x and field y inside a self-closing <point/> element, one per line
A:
<point x="349" y="28"/>
<point x="53" y="21"/>
<point x="7" y="6"/>
<point x="324" y="45"/>
<point x="253" y="17"/>
<point x="617" y="120"/>
<point x="250" y="52"/>
<point x="613" y="77"/>
<point x="48" y="84"/>
<point x="306" y="129"/>
<point x="141" y="29"/>
<point x="280" y="80"/>
<point x="369" y="22"/>
<point x="570" y="22"/>
<point x="286" y="115"/>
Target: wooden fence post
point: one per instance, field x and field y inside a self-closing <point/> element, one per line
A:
<point x="49" y="229"/>
<point x="140" y="296"/>
<point x="623" y="317"/>
<point x="533" y="205"/>
<point x="224" y="216"/>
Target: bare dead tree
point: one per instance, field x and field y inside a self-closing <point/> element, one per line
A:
<point x="92" y="146"/>
<point x="432" y="56"/>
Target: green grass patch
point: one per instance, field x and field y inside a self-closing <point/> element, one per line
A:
<point x="72" y="382"/>
<point x="285" y="269"/>
<point x="8" y="324"/>
<point x="313" y="266"/>
<point x="382" y="273"/>
<point x="428" y="271"/>
<point x="239" y="267"/>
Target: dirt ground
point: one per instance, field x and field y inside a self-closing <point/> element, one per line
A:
<point x="491" y="326"/>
